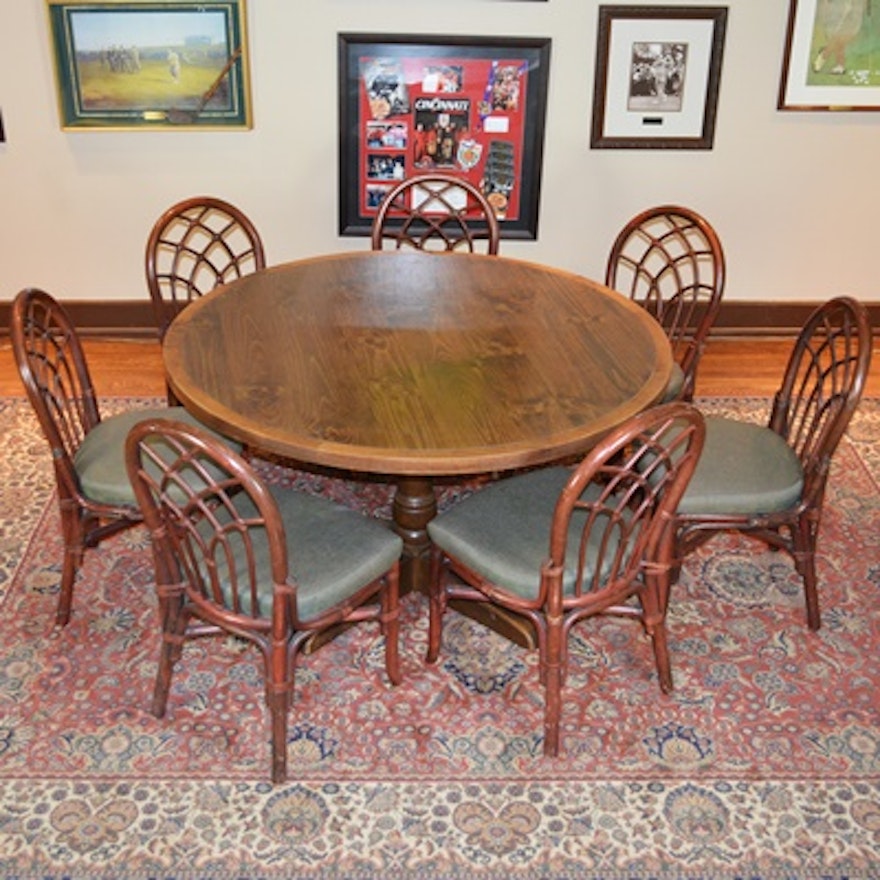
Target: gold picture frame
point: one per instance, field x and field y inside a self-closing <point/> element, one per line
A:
<point x="143" y="64"/>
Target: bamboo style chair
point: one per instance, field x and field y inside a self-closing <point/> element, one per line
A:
<point x="436" y="212"/>
<point x="669" y="259"/>
<point x="195" y="246"/>
<point x="769" y="481"/>
<point x="558" y="545"/>
<point x="272" y="566"/>
<point x="95" y="497"/>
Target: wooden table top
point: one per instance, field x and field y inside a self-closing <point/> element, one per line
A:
<point x="406" y="363"/>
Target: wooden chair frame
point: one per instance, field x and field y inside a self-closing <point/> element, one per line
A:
<point x="427" y="208"/>
<point x="56" y="378"/>
<point x="212" y="520"/>
<point x="669" y="259"/>
<point x="820" y="391"/>
<point x="639" y="471"/>
<point x="195" y="246"/>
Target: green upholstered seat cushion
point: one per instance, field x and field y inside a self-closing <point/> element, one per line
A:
<point x="100" y="459"/>
<point x="674" y="385"/>
<point x="332" y="552"/>
<point x="503" y="531"/>
<point x="743" y="469"/>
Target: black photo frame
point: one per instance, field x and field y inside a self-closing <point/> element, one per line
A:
<point x="487" y="95"/>
<point x="636" y="108"/>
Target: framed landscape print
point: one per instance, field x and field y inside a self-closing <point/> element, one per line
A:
<point x="658" y="71"/>
<point x="145" y="64"/>
<point x="472" y="107"/>
<point x="832" y="56"/>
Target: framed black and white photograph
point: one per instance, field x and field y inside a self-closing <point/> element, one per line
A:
<point x="658" y="71"/>
<point x="832" y="56"/>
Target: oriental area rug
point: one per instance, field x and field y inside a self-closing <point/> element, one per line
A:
<point x="764" y="764"/>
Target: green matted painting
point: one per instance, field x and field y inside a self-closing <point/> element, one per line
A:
<point x="832" y="56"/>
<point x="136" y="64"/>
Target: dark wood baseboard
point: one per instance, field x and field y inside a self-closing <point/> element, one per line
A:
<point x="133" y="319"/>
<point x="116" y="319"/>
<point x="748" y="318"/>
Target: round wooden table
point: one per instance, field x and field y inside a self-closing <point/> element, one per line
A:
<point x="416" y="365"/>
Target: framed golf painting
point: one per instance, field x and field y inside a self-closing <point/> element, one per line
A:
<point x="832" y="56"/>
<point x="135" y="64"/>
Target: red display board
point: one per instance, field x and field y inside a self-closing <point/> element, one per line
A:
<point x="472" y="107"/>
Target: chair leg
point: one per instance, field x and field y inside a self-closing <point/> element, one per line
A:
<point x="72" y="555"/>
<point x="173" y="634"/>
<point x="278" y="710"/>
<point x="280" y="663"/>
<point x="804" y="553"/>
<point x="436" y="607"/>
<point x="391" y="624"/>
<point x="74" y="549"/>
<point x="654" y="601"/>
<point x="552" y="674"/>
<point x="661" y="657"/>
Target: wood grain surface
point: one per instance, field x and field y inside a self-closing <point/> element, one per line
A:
<point x="416" y="364"/>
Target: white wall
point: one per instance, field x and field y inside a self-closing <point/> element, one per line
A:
<point x="793" y="195"/>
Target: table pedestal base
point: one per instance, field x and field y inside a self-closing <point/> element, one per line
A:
<point x="414" y="506"/>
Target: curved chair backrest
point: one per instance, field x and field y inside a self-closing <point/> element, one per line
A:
<point x="216" y="530"/>
<point x="436" y="212"/>
<point x="221" y="540"/>
<point x="611" y="538"/>
<point x="621" y="499"/>
<point x="195" y="246"/>
<point x="56" y="378"/>
<point x="53" y="369"/>
<point x="670" y="260"/>
<point x="822" y="386"/>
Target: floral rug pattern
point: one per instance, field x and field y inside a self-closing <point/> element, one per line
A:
<point x="763" y="763"/>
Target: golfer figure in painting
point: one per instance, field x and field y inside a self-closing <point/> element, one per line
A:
<point x="839" y="21"/>
<point x="174" y="65"/>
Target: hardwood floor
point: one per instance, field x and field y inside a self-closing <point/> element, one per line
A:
<point x="118" y="367"/>
<point x="747" y="367"/>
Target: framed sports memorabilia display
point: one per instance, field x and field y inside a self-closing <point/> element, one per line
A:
<point x="658" y="70"/>
<point x="135" y="64"/>
<point x="472" y="107"/>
